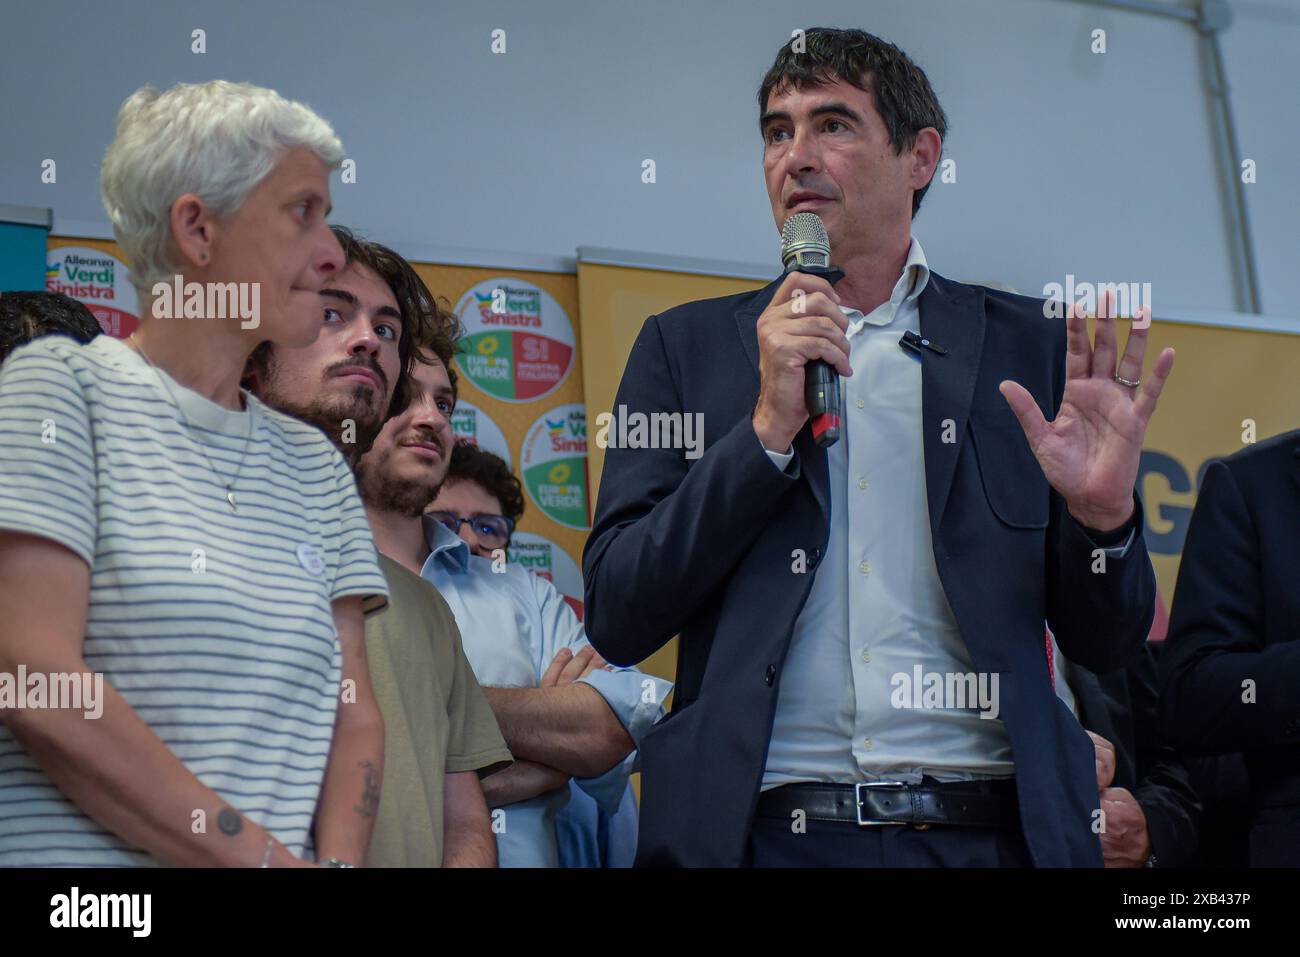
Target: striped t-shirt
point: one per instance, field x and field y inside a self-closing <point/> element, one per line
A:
<point x="215" y="625"/>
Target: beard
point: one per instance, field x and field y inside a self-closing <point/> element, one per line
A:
<point x="381" y="489"/>
<point x="351" y="421"/>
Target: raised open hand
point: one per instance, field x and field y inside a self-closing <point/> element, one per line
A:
<point x="1091" y="450"/>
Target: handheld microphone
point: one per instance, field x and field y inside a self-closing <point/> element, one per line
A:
<point x="806" y="247"/>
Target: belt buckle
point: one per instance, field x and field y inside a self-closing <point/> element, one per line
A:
<point x="857" y="799"/>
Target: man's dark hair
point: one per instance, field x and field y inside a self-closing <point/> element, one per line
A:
<point x="440" y="336"/>
<point x="427" y="322"/>
<point x="455" y="384"/>
<point x="899" y="88"/>
<point x="25" y="316"/>
<point x="490" y="472"/>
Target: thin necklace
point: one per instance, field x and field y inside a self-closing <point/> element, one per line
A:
<point x="230" y="486"/>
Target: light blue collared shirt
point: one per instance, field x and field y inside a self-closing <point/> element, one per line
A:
<point x="512" y="623"/>
<point x="877" y="609"/>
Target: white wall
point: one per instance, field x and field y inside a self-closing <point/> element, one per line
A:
<point x="1101" y="166"/>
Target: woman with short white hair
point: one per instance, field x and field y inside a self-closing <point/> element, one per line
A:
<point x="162" y="528"/>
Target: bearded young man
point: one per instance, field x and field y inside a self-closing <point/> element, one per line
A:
<point x="441" y="737"/>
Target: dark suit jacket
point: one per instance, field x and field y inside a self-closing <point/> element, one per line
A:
<point x="1122" y="706"/>
<point x="1231" y="663"/>
<point x="707" y="547"/>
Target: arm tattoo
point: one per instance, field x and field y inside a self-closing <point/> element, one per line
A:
<point x="370" y="796"/>
<point x="229" y="822"/>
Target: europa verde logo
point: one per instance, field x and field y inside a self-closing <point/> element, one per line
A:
<point x="519" y="342"/>
<point x="553" y="462"/>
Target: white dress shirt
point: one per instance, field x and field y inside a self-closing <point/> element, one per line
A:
<point x="877" y="608"/>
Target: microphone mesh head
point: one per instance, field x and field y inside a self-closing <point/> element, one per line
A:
<point x="804" y="241"/>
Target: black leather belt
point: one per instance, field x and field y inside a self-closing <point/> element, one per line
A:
<point x="959" y="803"/>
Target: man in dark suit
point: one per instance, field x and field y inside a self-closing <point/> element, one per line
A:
<point x="1151" y="809"/>
<point x="1231" y="664"/>
<point x="842" y="611"/>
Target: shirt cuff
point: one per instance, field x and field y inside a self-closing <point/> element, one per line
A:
<point x="636" y="698"/>
<point x="1121" y="550"/>
<point x="781" y="460"/>
<point x="1115" y="544"/>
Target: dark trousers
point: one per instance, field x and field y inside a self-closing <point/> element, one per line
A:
<point x="774" y="843"/>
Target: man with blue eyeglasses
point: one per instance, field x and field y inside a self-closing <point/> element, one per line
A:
<point x="482" y="501"/>
<point x="564" y="713"/>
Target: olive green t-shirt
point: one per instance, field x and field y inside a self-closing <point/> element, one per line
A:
<point x="436" y="719"/>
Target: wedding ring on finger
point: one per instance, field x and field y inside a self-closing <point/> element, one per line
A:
<point x="1131" y="383"/>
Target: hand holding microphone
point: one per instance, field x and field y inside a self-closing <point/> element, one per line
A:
<point x="802" y="342"/>
<point x="802" y="325"/>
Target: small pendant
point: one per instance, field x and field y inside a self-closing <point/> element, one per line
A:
<point x="230" y="497"/>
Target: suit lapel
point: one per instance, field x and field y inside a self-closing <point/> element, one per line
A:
<point x="1295" y="472"/>
<point x="747" y="318"/>
<point x="952" y="316"/>
<point x="811" y="457"/>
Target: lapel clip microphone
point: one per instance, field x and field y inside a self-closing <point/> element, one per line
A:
<point x="915" y="343"/>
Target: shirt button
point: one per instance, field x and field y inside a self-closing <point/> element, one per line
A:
<point x="862" y="483"/>
<point x="861" y="404"/>
<point x="866" y="655"/>
<point x="868" y="743"/>
<point x="864" y="567"/>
